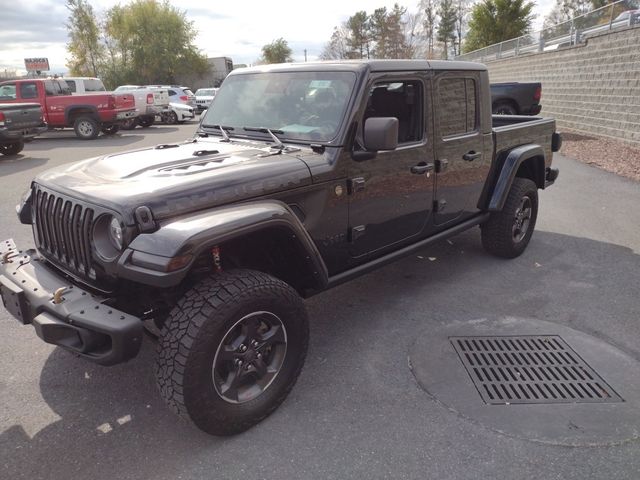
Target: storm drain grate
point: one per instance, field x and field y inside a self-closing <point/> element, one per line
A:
<point x="530" y="369"/>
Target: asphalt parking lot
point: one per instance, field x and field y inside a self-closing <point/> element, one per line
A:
<point x="368" y="403"/>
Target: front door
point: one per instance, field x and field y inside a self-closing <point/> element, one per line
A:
<point x="391" y="195"/>
<point x="461" y="161"/>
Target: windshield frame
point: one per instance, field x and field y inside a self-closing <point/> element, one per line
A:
<point x="343" y="121"/>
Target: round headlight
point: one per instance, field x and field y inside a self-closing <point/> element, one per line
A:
<point x="115" y="233"/>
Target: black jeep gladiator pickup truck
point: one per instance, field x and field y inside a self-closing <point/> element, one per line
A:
<point x="301" y="177"/>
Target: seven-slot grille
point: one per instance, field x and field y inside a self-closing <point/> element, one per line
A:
<point x="63" y="230"/>
<point x="530" y="369"/>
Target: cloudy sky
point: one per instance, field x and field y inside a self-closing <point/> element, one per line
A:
<point x="235" y="29"/>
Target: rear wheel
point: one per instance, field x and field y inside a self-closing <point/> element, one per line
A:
<point x="147" y="121"/>
<point x="507" y="233"/>
<point x="12" y="148"/>
<point x="504" y="109"/>
<point x="86" y="128"/>
<point x="231" y="350"/>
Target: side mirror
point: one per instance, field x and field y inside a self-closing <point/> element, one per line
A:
<point x="380" y="133"/>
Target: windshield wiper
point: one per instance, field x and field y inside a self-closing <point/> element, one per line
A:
<point x="223" y="131"/>
<point x="279" y="146"/>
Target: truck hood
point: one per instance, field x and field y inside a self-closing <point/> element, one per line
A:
<point x="179" y="178"/>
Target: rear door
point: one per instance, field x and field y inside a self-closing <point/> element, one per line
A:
<point x="391" y="195"/>
<point x="462" y="164"/>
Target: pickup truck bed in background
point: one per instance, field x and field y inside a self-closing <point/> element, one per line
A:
<point x="515" y="98"/>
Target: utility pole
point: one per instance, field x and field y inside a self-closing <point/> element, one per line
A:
<point x="305" y="54"/>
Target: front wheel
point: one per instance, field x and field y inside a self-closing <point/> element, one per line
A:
<point x="507" y="233"/>
<point x="147" y="121"/>
<point x="111" y="129"/>
<point x="12" y="148"/>
<point x="130" y="123"/>
<point x="231" y="350"/>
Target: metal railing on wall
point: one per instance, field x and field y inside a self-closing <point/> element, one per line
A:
<point x="620" y="14"/>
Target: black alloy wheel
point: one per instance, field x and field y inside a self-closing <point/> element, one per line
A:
<point x="250" y="357"/>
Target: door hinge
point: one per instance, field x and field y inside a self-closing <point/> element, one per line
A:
<point x="356" y="232"/>
<point x="442" y="165"/>
<point x="355" y="185"/>
<point x="439" y="205"/>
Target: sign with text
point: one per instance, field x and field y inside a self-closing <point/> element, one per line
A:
<point x="35" y="64"/>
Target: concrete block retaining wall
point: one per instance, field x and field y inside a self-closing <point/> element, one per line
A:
<point x="592" y="88"/>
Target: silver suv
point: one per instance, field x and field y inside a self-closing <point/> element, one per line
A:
<point x="178" y="94"/>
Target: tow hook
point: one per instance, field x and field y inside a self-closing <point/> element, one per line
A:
<point x="7" y="256"/>
<point x="57" y="295"/>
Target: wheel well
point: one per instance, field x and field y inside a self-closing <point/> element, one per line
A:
<point x="275" y="250"/>
<point x="533" y="169"/>
<point x="72" y="115"/>
<point x="505" y="101"/>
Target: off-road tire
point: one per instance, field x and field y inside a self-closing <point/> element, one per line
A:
<point x="498" y="232"/>
<point x="130" y="123"/>
<point x="110" y="130"/>
<point x="12" y="148"/>
<point x="146" y="121"/>
<point x="86" y="128"/>
<point x="194" y="331"/>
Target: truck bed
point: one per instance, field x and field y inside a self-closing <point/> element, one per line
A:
<point x="512" y="130"/>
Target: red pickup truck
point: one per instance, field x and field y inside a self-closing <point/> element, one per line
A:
<point x="87" y="114"/>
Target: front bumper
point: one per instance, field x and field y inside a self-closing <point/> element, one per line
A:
<point x="73" y="319"/>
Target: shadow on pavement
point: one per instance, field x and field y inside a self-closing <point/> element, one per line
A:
<point x="21" y="162"/>
<point x="114" y="425"/>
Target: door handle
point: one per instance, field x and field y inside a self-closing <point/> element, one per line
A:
<point x="422" y="168"/>
<point x="471" y="156"/>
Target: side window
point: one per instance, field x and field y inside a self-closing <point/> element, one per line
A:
<point x="172" y="93"/>
<point x="457" y="106"/>
<point x="402" y="100"/>
<point x="8" y="91"/>
<point x="72" y="85"/>
<point x="28" y="90"/>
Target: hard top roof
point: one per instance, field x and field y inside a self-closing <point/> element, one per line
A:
<point x="372" y="65"/>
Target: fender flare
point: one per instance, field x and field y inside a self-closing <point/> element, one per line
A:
<point x="147" y="256"/>
<point x="71" y="108"/>
<point x="512" y="162"/>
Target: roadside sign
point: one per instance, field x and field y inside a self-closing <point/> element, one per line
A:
<point x="36" y="64"/>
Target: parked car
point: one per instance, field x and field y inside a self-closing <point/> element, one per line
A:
<point x="219" y="238"/>
<point x="149" y="103"/>
<point x="82" y="85"/>
<point x="178" y="94"/>
<point x="177" y="113"/>
<point x="19" y="122"/>
<point x="514" y="98"/>
<point x="204" y="97"/>
<point x="87" y="114"/>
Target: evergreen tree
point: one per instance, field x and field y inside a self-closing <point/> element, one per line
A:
<point x="494" y="21"/>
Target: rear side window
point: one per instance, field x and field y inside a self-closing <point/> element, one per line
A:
<point x="8" y="91"/>
<point x="28" y="90"/>
<point x="72" y="85"/>
<point x="93" y="85"/>
<point x="172" y="93"/>
<point x="457" y="106"/>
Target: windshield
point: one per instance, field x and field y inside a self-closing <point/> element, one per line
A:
<point x="307" y="106"/>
